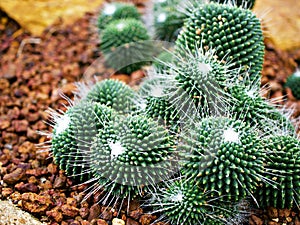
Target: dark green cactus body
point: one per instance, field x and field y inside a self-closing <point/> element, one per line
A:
<point x="234" y="33"/>
<point x="125" y="45"/>
<point x="130" y="153"/>
<point x="74" y="134"/>
<point x="240" y="3"/>
<point x="293" y="82"/>
<point x="225" y="157"/>
<point x="167" y="20"/>
<point x="255" y="110"/>
<point x="114" y="94"/>
<point x="183" y="202"/>
<point x="115" y="11"/>
<point x="158" y="106"/>
<point x="283" y="172"/>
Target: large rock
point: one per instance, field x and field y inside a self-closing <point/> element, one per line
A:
<point x="35" y="15"/>
<point x="282" y="19"/>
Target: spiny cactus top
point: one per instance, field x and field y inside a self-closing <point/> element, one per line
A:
<point x="162" y="59"/>
<point x="73" y="134"/>
<point x="116" y="10"/>
<point x="157" y="104"/>
<point x="196" y="80"/>
<point x="130" y="153"/>
<point x="283" y="173"/>
<point x="125" y="45"/>
<point x="183" y="202"/>
<point x="240" y="3"/>
<point x="293" y="82"/>
<point x="113" y="93"/>
<point x="234" y="33"/>
<point x="225" y="157"/>
<point x="249" y="106"/>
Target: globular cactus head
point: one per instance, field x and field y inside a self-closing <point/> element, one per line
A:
<point x="196" y="81"/>
<point x="183" y="202"/>
<point x="130" y="153"/>
<point x="247" y="104"/>
<point x="283" y="173"/>
<point x="235" y="33"/>
<point x="155" y="104"/>
<point x="224" y="156"/>
<point x="73" y="134"/>
<point x="115" y="11"/>
<point x="112" y="93"/>
<point x="248" y="4"/>
<point x="167" y="20"/>
<point x="293" y="82"/>
<point x="125" y="45"/>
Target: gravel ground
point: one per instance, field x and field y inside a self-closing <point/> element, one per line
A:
<point x="32" y="75"/>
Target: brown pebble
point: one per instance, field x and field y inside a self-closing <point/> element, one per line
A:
<point x="106" y="214"/>
<point x="136" y="213"/>
<point x="35" y="203"/>
<point x="101" y="222"/>
<point x="26" y="147"/>
<point x="20" y="125"/>
<point x="130" y="221"/>
<point x="147" y="219"/>
<point x="272" y="212"/>
<point x="69" y="210"/>
<point x="14" y="176"/>
<point x="59" y="182"/>
<point x="95" y="211"/>
<point x="55" y="214"/>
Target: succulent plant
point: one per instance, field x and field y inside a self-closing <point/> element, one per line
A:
<point x="183" y="202"/>
<point x="155" y="104"/>
<point x="114" y="94"/>
<point x="283" y="172"/>
<point x="167" y="20"/>
<point x="224" y="156"/>
<point x="115" y="11"/>
<point x="125" y="45"/>
<point x="248" y="105"/>
<point x="293" y="82"/>
<point x="130" y="153"/>
<point x="195" y="82"/>
<point x="240" y="3"/>
<point x="234" y="33"/>
<point x="73" y="134"/>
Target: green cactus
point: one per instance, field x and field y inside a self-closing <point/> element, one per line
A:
<point x="73" y="134"/>
<point x="234" y="33"/>
<point x="225" y="157"/>
<point x="183" y="202"/>
<point x="247" y="104"/>
<point x="293" y="82"/>
<point x="156" y="104"/>
<point x="114" y="94"/>
<point x="130" y="153"/>
<point x="115" y="11"/>
<point x="125" y="45"/>
<point x="283" y="172"/>
<point x="167" y="20"/>
<point x="239" y="3"/>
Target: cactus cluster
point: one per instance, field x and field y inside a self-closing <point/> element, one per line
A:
<point x="196" y="136"/>
<point x="293" y="82"/>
